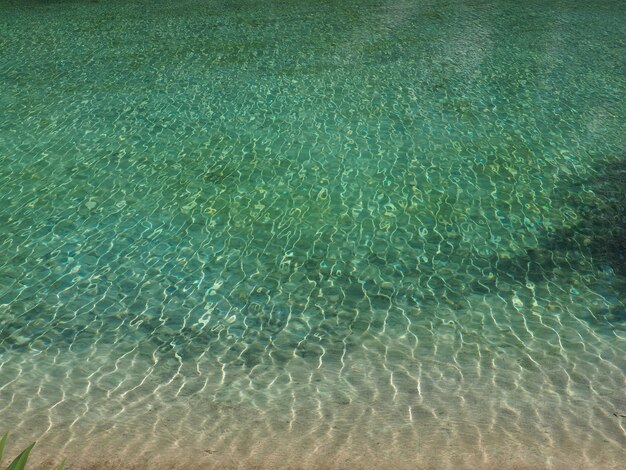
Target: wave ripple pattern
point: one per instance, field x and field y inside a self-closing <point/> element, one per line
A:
<point x="314" y="234"/>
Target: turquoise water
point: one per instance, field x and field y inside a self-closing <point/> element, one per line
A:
<point x="314" y="234"/>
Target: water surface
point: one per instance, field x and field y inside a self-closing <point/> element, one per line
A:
<point x="314" y="233"/>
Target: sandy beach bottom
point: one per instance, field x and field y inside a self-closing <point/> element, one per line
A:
<point x="371" y="408"/>
<point x="437" y="449"/>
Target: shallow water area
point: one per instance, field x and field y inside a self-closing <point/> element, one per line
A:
<point x="313" y="234"/>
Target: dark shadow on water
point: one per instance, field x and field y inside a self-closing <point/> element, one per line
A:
<point x="589" y="244"/>
<point x="600" y="227"/>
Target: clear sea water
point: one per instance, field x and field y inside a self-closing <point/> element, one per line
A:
<point x="314" y="234"/>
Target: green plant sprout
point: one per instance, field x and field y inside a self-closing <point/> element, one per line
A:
<point x="19" y="463"/>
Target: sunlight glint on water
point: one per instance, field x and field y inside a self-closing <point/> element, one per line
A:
<point x="314" y="233"/>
